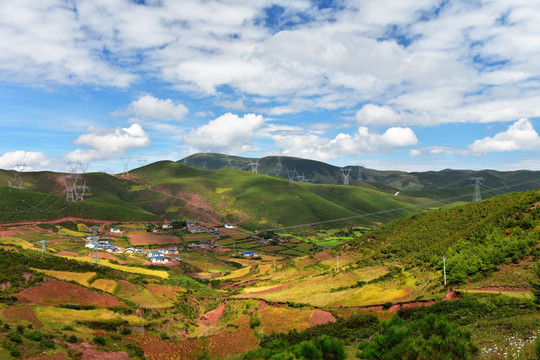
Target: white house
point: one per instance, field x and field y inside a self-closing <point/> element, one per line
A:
<point x="159" y="260"/>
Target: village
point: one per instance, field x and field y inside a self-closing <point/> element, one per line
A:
<point x="169" y="255"/>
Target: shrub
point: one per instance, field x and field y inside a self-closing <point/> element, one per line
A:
<point x="125" y="331"/>
<point x="46" y="344"/>
<point x="15" y="337"/>
<point x="254" y="321"/>
<point x="99" y="340"/>
<point x="35" y="335"/>
<point x="72" y="339"/>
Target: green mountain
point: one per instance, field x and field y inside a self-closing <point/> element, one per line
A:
<point x="169" y="190"/>
<point x="495" y="182"/>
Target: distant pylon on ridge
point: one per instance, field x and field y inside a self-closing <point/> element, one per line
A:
<point x="291" y="174"/>
<point x="478" y="180"/>
<point x="254" y="166"/>
<point x="125" y="160"/>
<point x="345" y="172"/>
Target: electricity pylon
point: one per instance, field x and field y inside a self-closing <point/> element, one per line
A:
<point x="345" y="172"/>
<point x="479" y="180"/>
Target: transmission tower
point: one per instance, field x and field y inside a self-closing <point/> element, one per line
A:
<point x="20" y="167"/>
<point x="74" y="183"/>
<point x="360" y="174"/>
<point x="20" y="186"/>
<point x="125" y="160"/>
<point x="291" y="174"/>
<point x="345" y="172"/>
<point x="142" y="162"/>
<point x="477" y="196"/>
<point x="83" y="166"/>
<point x="254" y="166"/>
<point x="43" y="246"/>
<point x="204" y="164"/>
<point x="94" y="256"/>
<point x="277" y="170"/>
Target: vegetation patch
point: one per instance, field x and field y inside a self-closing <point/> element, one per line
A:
<point x="82" y="278"/>
<point x="55" y="292"/>
<point x="282" y="319"/>
<point x="141" y="296"/>
<point x="106" y="285"/>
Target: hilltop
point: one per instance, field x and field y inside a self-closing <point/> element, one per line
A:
<point x="169" y="190"/>
<point x="496" y="182"/>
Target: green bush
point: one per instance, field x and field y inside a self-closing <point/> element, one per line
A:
<point x="46" y="344"/>
<point x="15" y="337"/>
<point x="99" y="340"/>
<point x="34" y="335"/>
<point x="254" y="321"/>
<point x="429" y="338"/>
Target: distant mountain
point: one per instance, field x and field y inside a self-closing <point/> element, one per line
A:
<point x="495" y="182"/>
<point x="169" y="190"/>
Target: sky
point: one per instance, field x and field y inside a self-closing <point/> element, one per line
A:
<point x="386" y="84"/>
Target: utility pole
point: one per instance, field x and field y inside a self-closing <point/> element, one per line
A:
<point x="274" y="264"/>
<point x="337" y="262"/>
<point x="444" y="268"/>
<point x="479" y="180"/>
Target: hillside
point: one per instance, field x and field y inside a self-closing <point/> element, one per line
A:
<point x="217" y="303"/>
<point x="496" y="182"/>
<point x="168" y="190"/>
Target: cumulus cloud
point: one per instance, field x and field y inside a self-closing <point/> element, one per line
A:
<point x="362" y="142"/>
<point x="24" y="160"/>
<point x="519" y="136"/>
<point x="107" y="143"/>
<point x="423" y="62"/>
<point x="150" y="107"/>
<point x="228" y="133"/>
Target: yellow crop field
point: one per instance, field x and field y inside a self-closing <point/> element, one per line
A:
<point x="222" y="190"/>
<point x="18" y="241"/>
<point x="282" y="319"/>
<point x="236" y="274"/>
<point x="373" y="295"/>
<point x="64" y="231"/>
<point x="61" y="317"/>
<point x="106" y="285"/>
<point x="142" y="296"/>
<point x="130" y="269"/>
<point x="81" y="278"/>
<point x="369" y="273"/>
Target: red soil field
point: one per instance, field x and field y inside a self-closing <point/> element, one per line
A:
<point x="323" y="256"/>
<point x="220" y="346"/>
<point x="55" y="292"/>
<point x="319" y="317"/>
<point x="57" y="356"/>
<point x="213" y="316"/>
<point x="22" y="313"/>
<point x="151" y="239"/>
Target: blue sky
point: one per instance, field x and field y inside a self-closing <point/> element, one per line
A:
<point x="387" y="84"/>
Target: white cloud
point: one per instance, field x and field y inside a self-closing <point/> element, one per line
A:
<point x="108" y="143"/>
<point x="420" y="61"/>
<point x="228" y="133"/>
<point x="362" y="142"/>
<point x="24" y="160"/>
<point x="519" y="136"/>
<point x="150" y="107"/>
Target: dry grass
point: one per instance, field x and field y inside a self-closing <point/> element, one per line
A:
<point x="236" y="274"/>
<point x="283" y="319"/>
<point x="106" y="285"/>
<point x="59" y="317"/>
<point x="129" y="269"/>
<point x="81" y="278"/>
<point x="141" y="296"/>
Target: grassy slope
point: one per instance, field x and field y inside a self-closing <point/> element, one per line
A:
<point x="260" y="201"/>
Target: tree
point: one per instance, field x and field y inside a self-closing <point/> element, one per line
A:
<point x="429" y="338"/>
<point x="535" y="285"/>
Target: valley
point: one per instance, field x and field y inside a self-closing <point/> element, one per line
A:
<point x="168" y="263"/>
